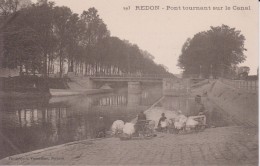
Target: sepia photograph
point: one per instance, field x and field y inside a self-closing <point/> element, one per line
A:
<point x="129" y="82"/>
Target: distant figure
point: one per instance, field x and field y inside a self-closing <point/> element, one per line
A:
<point x="162" y="124"/>
<point x="101" y="128"/>
<point x="199" y="107"/>
<point x="198" y="99"/>
<point x="141" y="118"/>
<point x="201" y="110"/>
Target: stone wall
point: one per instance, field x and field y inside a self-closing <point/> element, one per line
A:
<point x="241" y="104"/>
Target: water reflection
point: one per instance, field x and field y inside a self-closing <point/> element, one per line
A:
<point x="128" y="99"/>
<point x="118" y="100"/>
<point x="134" y="99"/>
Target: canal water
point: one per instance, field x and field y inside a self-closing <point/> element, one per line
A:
<point x="27" y="125"/>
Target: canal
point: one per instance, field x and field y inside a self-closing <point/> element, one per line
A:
<point x="27" y="125"/>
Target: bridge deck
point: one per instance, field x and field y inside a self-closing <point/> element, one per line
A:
<point x="126" y="79"/>
<point x="129" y="77"/>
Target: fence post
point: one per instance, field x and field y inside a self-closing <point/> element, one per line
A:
<point x="256" y="85"/>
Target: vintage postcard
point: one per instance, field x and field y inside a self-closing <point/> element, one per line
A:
<point x="129" y="82"/>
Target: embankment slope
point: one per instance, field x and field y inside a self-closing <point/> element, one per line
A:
<point x="239" y="103"/>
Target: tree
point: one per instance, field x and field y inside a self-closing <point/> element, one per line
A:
<point x="21" y="49"/>
<point x="242" y="72"/>
<point x="74" y="49"/>
<point x="40" y="33"/>
<point x="216" y="50"/>
<point x="119" y="56"/>
<point x="95" y="30"/>
<point x="8" y="7"/>
<point x="24" y="4"/>
<point x="40" y="17"/>
<point x="62" y="19"/>
<point x="21" y="46"/>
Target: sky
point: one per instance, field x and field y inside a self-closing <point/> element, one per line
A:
<point x="163" y="32"/>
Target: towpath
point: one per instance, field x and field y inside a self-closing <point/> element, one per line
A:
<point x="234" y="145"/>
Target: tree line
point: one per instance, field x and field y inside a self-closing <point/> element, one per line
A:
<point x="37" y="34"/>
<point x="215" y="52"/>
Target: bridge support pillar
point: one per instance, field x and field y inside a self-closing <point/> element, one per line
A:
<point x="134" y="94"/>
<point x="134" y="87"/>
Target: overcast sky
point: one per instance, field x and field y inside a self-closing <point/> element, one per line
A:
<point x="163" y="32"/>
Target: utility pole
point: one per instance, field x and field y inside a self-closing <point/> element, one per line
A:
<point x="200" y="76"/>
<point x="211" y="74"/>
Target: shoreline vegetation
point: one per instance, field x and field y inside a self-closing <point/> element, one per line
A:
<point x="37" y="87"/>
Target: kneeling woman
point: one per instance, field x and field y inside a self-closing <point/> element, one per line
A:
<point x="162" y="125"/>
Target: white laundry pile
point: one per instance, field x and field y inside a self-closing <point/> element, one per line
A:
<point x="117" y="127"/>
<point x="164" y="124"/>
<point x="175" y="118"/>
<point x="191" y="123"/>
<point x="180" y="121"/>
<point x="129" y="129"/>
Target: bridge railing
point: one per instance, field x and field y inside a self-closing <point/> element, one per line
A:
<point x="127" y="75"/>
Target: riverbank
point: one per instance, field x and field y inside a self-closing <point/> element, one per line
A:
<point x="53" y="93"/>
<point x="27" y="86"/>
<point x="38" y="87"/>
<point x="238" y="103"/>
<point x="71" y="92"/>
<point x="22" y="95"/>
